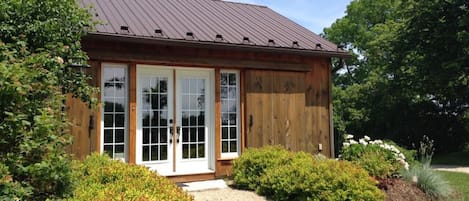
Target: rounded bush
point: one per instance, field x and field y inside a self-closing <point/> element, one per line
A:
<point x="379" y="158"/>
<point x="248" y="168"/>
<point x="306" y="178"/>
<point x="101" y="178"/>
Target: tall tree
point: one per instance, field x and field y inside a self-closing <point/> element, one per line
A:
<point x="396" y="87"/>
<point x="37" y="38"/>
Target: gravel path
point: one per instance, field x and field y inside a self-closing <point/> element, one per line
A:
<point x="226" y="194"/>
<point x="451" y="168"/>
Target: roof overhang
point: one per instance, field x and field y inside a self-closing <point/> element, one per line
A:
<point x="215" y="45"/>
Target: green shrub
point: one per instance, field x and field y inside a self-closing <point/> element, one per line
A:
<point x="428" y="181"/>
<point x="306" y="178"/>
<point x="101" y="178"/>
<point x="380" y="159"/>
<point x="248" y="168"/>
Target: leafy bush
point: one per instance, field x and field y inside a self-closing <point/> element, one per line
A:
<point x="32" y="156"/>
<point x="35" y="37"/>
<point x="101" y="178"/>
<point x="248" y="168"/>
<point x="380" y="159"/>
<point x="277" y="173"/>
<point x="306" y="178"/>
<point x="428" y="180"/>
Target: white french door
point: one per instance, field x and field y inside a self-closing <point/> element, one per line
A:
<point x="174" y="119"/>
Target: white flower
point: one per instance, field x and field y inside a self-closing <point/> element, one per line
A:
<point x="401" y="156"/>
<point x="367" y="138"/>
<point x="348" y="136"/>
<point x="378" y="141"/>
<point x="59" y="60"/>
<point x="353" y="142"/>
<point x="345" y="144"/>
<point x="363" y="142"/>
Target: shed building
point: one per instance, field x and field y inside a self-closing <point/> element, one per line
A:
<point x="187" y="85"/>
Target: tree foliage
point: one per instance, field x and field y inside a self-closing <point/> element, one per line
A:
<point x="36" y="39"/>
<point x="409" y="76"/>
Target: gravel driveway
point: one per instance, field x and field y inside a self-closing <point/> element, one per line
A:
<point x="226" y="194"/>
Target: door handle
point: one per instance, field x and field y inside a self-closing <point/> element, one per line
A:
<point x="178" y="132"/>
<point x="171" y="131"/>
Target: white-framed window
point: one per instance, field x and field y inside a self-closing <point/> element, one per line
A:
<point x="230" y="113"/>
<point x="114" y="121"/>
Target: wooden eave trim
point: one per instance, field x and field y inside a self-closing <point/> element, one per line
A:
<point x="216" y="45"/>
<point x="194" y="61"/>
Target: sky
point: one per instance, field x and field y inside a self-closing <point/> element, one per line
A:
<point x="312" y="14"/>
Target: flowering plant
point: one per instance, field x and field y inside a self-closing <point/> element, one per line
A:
<point x="380" y="159"/>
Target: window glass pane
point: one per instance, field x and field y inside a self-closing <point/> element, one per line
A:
<point x="155" y="98"/>
<point x="224" y="146"/>
<point x="193" y="134"/>
<point x="108" y="135"/>
<point x="108" y="150"/>
<point x="201" y="150"/>
<point x="164" y="152"/>
<point x="145" y="153"/>
<point x="185" y="151"/>
<point x="233" y="146"/>
<point x="185" y="135"/>
<point x="119" y="136"/>
<point x="163" y="102"/>
<point x="154" y="135"/>
<point x="108" y="105"/>
<point x="119" y="90"/>
<point x="224" y="132"/>
<point x="114" y="106"/>
<point x="145" y="118"/>
<point x="120" y="119"/>
<point x="201" y="134"/>
<point x="232" y="93"/>
<point x="193" y="151"/>
<point x="229" y="97"/>
<point x="119" y="105"/>
<point x="163" y="85"/>
<point x="154" y="153"/>
<point x="224" y="79"/>
<point x="224" y="119"/>
<point x="233" y="132"/>
<point x="108" y="120"/>
<point x="224" y="92"/>
<point x="146" y="136"/>
<point x="155" y="88"/>
<point x="119" y="151"/>
<point x="233" y="119"/>
<point x="145" y="82"/>
<point x="232" y="79"/>
<point x="163" y="135"/>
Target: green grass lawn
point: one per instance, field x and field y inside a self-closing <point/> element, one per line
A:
<point x="459" y="182"/>
<point x="457" y="158"/>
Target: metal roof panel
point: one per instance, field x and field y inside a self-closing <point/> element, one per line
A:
<point x="205" y="19"/>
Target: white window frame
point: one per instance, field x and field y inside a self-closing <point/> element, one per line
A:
<point x="231" y="155"/>
<point x="126" y="105"/>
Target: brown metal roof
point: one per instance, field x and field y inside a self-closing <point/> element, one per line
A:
<point x="207" y="22"/>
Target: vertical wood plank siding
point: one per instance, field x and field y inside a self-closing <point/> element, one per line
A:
<point x="131" y="142"/>
<point x="289" y="108"/>
<point x="80" y="115"/>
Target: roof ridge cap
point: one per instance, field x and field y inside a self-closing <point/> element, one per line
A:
<point x="248" y="4"/>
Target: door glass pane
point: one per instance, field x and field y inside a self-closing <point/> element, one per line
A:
<point x="155" y="118"/>
<point x="193" y="110"/>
